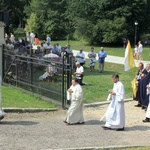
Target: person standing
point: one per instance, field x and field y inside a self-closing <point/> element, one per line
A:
<point x="81" y="57"/>
<point x="28" y="36"/>
<point x="32" y="35"/>
<point x="37" y="41"/>
<point x="136" y="52"/>
<point x="147" y="119"/>
<point x="92" y="59"/>
<point x="79" y="73"/>
<point x="101" y="59"/>
<point x="115" y="114"/>
<point x="68" y="50"/>
<point x="12" y="38"/>
<point x="142" y="72"/>
<point x="75" y="111"/>
<point x="140" y="50"/>
<point x="48" y="39"/>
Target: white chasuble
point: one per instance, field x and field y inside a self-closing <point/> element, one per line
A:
<point x="75" y="111"/>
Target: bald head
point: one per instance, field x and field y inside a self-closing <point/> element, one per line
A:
<point x="77" y="64"/>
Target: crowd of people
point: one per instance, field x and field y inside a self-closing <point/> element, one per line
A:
<point x="115" y="114"/>
<point x="44" y="49"/>
<point x="140" y="85"/>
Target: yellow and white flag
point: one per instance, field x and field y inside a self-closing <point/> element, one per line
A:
<point x="129" y="60"/>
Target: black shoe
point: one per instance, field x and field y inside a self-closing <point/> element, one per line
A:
<point x="120" y="129"/>
<point x="65" y="121"/>
<point x="106" y="128"/>
<point x="2" y="117"/>
<point x="138" y="105"/>
<point x="146" y="120"/>
<point x="80" y="123"/>
<point x="143" y="107"/>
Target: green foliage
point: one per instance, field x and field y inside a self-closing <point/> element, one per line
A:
<point x="18" y="32"/>
<point x="107" y="21"/>
<point x="50" y="16"/>
<point x="32" y="23"/>
<point x="100" y="83"/>
<point x="97" y="21"/>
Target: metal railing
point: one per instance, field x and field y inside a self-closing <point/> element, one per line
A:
<point x="27" y="71"/>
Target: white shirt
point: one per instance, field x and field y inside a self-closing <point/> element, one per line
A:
<point x="135" y="50"/>
<point x="79" y="70"/>
<point x="140" y="47"/>
<point x="32" y="35"/>
<point x="12" y="38"/>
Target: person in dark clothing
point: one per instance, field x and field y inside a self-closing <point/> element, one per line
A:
<point x="140" y="77"/>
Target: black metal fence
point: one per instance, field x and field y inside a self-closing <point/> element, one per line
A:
<point x="29" y="71"/>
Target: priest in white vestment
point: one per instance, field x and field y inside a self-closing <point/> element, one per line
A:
<point x="75" y="111"/>
<point x="115" y="114"/>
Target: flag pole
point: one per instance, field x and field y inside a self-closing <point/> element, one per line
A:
<point x="2" y="113"/>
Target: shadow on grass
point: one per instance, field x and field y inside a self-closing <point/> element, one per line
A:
<point x="23" y="123"/>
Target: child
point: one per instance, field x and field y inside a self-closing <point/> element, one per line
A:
<point x="136" y="52"/>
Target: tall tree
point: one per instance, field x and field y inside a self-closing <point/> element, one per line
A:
<point x="51" y="17"/>
<point x="107" y="20"/>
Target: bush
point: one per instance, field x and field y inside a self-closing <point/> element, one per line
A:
<point x="19" y="32"/>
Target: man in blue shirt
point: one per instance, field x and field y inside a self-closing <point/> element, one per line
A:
<point x="101" y="59"/>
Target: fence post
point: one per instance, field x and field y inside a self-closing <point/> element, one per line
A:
<point x="62" y="94"/>
<point x="1" y="47"/>
<point x="1" y="66"/>
<point x="2" y="113"/>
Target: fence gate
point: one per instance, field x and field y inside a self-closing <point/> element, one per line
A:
<point x="28" y="71"/>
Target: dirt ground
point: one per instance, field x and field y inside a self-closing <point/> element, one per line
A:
<point x="46" y="130"/>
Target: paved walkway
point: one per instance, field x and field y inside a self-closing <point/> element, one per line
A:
<point x="109" y="58"/>
<point x="112" y="59"/>
<point x="47" y="131"/>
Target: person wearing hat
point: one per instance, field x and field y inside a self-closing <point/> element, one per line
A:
<point x="81" y="57"/>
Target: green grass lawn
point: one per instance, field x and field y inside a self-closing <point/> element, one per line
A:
<point x="115" y="51"/>
<point x="12" y="97"/>
<point x="100" y="83"/>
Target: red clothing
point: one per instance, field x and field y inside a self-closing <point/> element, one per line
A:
<point x="37" y="41"/>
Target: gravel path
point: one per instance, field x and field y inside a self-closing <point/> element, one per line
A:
<point x="46" y="130"/>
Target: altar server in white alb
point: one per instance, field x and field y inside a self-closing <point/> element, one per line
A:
<point x="115" y="114"/>
<point x="75" y="111"/>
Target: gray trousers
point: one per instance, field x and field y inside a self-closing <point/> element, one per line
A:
<point x="101" y="67"/>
